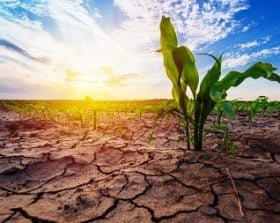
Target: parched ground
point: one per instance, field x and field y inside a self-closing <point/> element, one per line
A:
<point x="52" y="172"/>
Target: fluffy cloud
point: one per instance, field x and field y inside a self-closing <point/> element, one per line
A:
<point x="241" y="60"/>
<point x="198" y="23"/>
<point x="247" y="45"/>
<point x="254" y="43"/>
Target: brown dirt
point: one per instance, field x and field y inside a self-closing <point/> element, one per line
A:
<point x="57" y="173"/>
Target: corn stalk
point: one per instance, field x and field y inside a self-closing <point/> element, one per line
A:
<point x="181" y="69"/>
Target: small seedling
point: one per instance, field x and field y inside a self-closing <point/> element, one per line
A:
<point x="226" y="142"/>
<point x="260" y="104"/>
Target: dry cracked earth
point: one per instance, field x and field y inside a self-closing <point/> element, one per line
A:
<point x="51" y="172"/>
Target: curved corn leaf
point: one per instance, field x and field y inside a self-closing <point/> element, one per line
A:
<point x="228" y="109"/>
<point x="185" y="63"/>
<point x="169" y="43"/>
<point x="210" y="79"/>
<point x="219" y="98"/>
<point x="216" y="94"/>
<point x="170" y="68"/>
<point x="168" y="38"/>
<point x="175" y="94"/>
<point x="167" y="111"/>
<point x="235" y="78"/>
<point x="179" y="87"/>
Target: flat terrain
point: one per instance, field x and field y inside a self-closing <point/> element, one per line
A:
<point x="53" y="172"/>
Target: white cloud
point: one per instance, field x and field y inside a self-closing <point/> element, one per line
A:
<point x="245" y="28"/>
<point x="241" y="60"/>
<point x="247" y="45"/>
<point x="254" y="43"/>
<point x="267" y="52"/>
<point x="236" y="62"/>
<point x="238" y="49"/>
<point x="266" y="39"/>
<point x="197" y="23"/>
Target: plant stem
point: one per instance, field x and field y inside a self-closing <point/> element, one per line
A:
<point x="219" y="117"/>
<point x="202" y="110"/>
<point x="187" y="132"/>
<point x="197" y="142"/>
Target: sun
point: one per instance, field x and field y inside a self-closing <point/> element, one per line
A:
<point x="82" y="68"/>
<point x="87" y="79"/>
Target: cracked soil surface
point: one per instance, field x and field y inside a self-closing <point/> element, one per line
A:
<point x="51" y="172"/>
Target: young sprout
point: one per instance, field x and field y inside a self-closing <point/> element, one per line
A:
<point x="260" y="104"/>
<point x="226" y="142"/>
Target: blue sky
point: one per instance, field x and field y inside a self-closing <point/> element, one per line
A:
<point x="105" y="48"/>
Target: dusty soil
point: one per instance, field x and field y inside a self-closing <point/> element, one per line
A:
<point x="52" y="172"/>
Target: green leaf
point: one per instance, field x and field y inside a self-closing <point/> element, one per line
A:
<point x="185" y="63"/>
<point x="173" y="110"/>
<point x="189" y="106"/>
<point x="235" y="78"/>
<point x="170" y="68"/>
<point x="228" y="109"/>
<point x="210" y="79"/>
<point x="217" y="95"/>
<point x="220" y="128"/>
<point x="168" y="38"/>
<point x="175" y="94"/>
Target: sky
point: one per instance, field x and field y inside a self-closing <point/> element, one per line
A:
<point x="105" y="49"/>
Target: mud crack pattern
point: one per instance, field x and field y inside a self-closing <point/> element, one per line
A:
<point x="56" y="173"/>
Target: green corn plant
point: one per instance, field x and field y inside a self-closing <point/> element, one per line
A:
<point x="181" y="69"/>
<point x="219" y="110"/>
<point x="238" y="106"/>
<point x="260" y="104"/>
<point x="264" y="103"/>
<point x="274" y="108"/>
<point x="226" y="142"/>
